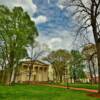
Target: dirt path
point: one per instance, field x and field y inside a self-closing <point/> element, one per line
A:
<point x="72" y="88"/>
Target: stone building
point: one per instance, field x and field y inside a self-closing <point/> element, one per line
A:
<point x="36" y="69"/>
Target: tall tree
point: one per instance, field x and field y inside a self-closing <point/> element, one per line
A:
<point x="59" y="60"/>
<point x="88" y="13"/>
<point x="16" y="31"/>
<point x="90" y="51"/>
<point x="77" y="66"/>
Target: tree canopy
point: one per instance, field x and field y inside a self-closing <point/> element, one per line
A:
<point x="59" y="60"/>
<point x="17" y="31"/>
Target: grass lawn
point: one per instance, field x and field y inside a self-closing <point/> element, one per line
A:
<point x="88" y="86"/>
<point x="78" y="85"/>
<point x="28" y="92"/>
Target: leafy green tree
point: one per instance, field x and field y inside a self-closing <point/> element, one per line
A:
<point x="77" y="66"/>
<point x="89" y="52"/>
<point x="59" y="60"/>
<point x="16" y="31"/>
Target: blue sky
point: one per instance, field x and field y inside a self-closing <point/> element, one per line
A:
<point x="54" y="31"/>
<point x="51" y="19"/>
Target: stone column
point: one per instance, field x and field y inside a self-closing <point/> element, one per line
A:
<point x="38" y="74"/>
<point x="45" y="74"/>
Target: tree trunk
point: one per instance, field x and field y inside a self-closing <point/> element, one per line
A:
<point x="74" y="76"/>
<point x="30" y="70"/>
<point x="14" y="79"/>
<point x="56" y="75"/>
<point x="3" y="76"/>
<point x="96" y="37"/>
<point x="95" y="80"/>
<point x="98" y="55"/>
<point x="12" y="76"/>
<point x="71" y="80"/>
<point x="60" y="78"/>
<point x="90" y="72"/>
<point x="15" y="74"/>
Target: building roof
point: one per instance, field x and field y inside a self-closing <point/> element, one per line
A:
<point x="35" y="62"/>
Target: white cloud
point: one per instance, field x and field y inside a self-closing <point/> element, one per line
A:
<point x="55" y="43"/>
<point x="61" y="7"/>
<point x="27" y="5"/>
<point x="60" y="4"/>
<point x="60" y="40"/>
<point x="48" y="1"/>
<point x="53" y="40"/>
<point x="40" y="19"/>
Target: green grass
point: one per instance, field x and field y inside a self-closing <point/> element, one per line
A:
<point x="78" y="85"/>
<point x="88" y="86"/>
<point x="28" y="92"/>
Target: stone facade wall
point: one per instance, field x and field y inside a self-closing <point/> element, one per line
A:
<point x="39" y="72"/>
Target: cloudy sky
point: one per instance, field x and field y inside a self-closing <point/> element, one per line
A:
<point x="51" y="19"/>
